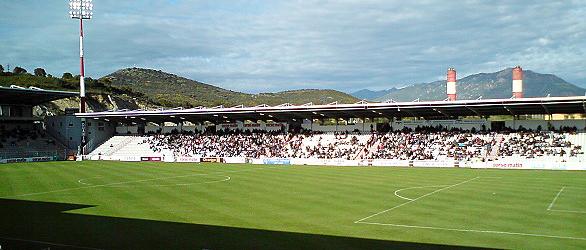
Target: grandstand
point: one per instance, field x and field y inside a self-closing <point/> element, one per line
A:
<point x="126" y="202"/>
<point x="503" y="133"/>
<point x="23" y="136"/>
<point x="464" y="133"/>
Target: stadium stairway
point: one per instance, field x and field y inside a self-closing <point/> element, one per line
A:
<point x="119" y="147"/>
<point x="136" y="147"/>
<point x="110" y="146"/>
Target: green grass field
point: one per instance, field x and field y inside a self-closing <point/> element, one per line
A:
<point x="121" y="205"/>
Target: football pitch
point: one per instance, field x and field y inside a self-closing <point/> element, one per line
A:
<point x="148" y="205"/>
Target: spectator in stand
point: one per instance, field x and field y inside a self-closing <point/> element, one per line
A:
<point x="422" y="143"/>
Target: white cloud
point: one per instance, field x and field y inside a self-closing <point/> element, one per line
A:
<point x="543" y="41"/>
<point x="276" y="45"/>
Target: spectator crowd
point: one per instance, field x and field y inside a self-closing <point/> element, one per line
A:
<point x="25" y="142"/>
<point x="421" y="144"/>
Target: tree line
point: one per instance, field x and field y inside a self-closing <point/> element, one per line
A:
<point x="20" y="71"/>
<point x="37" y="72"/>
<point x="67" y="80"/>
<point x="40" y="78"/>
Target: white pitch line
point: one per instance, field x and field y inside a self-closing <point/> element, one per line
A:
<point x="423" y="196"/>
<point x="572" y="187"/>
<point x="81" y="181"/>
<point x="475" y="231"/>
<point x="555" y="198"/>
<point x="226" y="178"/>
<point x="568" y="211"/>
<point x="405" y="198"/>
<point x="126" y="182"/>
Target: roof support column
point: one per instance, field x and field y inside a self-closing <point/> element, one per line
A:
<point x="199" y="127"/>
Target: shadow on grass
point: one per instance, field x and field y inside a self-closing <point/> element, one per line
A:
<point x="43" y="225"/>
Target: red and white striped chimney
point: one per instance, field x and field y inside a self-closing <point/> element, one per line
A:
<point x="517" y="82"/>
<point x="451" y="85"/>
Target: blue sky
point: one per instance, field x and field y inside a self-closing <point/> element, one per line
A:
<point x="259" y="46"/>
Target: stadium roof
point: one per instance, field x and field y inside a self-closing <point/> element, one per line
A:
<point x="288" y="112"/>
<point x="30" y="96"/>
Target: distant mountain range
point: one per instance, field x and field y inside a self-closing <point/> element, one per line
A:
<point x="367" y="94"/>
<point x="485" y="85"/>
<point x="134" y="88"/>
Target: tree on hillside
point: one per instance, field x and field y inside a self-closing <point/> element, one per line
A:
<point x="105" y="82"/>
<point x="1" y="69"/>
<point x="18" y="71"/>
<point x="67" y="75"/>
<point x="40" y="72"/>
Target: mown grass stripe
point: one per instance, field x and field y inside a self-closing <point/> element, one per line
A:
<point x="316" y="200"/>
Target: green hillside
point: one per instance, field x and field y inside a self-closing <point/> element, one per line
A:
<point x="101" y="96"/>
<point x="172" y="91"/>
<point x="135" y="88"/>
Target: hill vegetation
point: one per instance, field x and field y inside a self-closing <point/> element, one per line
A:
<point x="101" y="95"/>
<point x="134" y="88"/>
<point x="170" y="90"/>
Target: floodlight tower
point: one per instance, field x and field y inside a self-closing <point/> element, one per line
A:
<point x="81" y="9"/>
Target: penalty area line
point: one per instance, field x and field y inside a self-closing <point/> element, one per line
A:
<point x="475" y="231"/>
<point x="555" y="198"/>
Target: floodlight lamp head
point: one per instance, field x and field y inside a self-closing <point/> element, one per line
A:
<point x="81" y="9"/>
